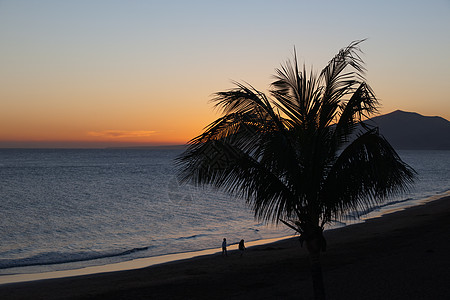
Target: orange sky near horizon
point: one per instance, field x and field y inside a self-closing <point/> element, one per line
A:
<point x="109" y="73"/>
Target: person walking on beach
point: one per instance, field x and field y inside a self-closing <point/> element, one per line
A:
<point x="241" y="247"/>
<point x="224" y="247"/>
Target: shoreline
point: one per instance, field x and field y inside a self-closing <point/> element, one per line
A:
<point x="140" y="263"/>
<point x="128" y="265"/>
<point x="401" y="255"/>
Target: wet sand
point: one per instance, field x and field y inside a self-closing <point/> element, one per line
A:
<point x="403" y="255"/>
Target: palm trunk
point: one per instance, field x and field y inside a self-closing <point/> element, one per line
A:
<point x="317" y="277"/>
<point x="314" y="245"/>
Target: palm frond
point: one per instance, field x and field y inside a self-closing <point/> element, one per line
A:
<point x="366" y="173"/>
<point x="245" y="99"/>
<point x="223" y="166"/>
<point x="362" y="104"/>
<point x="340" y="78"/>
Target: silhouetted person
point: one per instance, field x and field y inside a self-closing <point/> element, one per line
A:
<point x="224" y="247"/>
<point x="241" y="247"/>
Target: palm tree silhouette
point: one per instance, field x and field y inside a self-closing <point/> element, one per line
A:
<point x="302" y="156"/>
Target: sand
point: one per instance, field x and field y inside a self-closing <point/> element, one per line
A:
<point x="403" y="255"/>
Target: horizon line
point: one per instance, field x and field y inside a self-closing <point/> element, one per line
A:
<point x="83" y="145"/>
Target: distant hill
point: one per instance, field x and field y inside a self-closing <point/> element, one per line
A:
<point x="409" y="130"/>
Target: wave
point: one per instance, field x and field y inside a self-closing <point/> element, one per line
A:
<point x="190" y="237"/>
<point x="356" y="215"/>
<point x="253" y="229"/>
<point x="54" y="258"/>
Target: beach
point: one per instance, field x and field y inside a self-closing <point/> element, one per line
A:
<point x="403" y="255"/>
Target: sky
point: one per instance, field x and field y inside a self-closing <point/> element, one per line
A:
<point x="93" y="73"/>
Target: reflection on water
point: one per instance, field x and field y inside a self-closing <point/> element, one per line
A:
<point x="71" y="209"/>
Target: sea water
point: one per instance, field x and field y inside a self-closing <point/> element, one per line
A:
<point x="64" y="209"/>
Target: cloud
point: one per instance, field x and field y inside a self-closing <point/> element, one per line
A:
<point x="118" y="134"/>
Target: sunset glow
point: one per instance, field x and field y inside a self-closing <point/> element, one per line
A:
<point x="105" y="73"/>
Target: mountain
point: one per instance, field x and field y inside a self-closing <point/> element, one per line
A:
<point x="409" y="130"/>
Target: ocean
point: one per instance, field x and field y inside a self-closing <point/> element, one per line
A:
<point x="63" y="209"/>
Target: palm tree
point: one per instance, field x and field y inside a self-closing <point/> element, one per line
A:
<point x="302" y="156"/>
